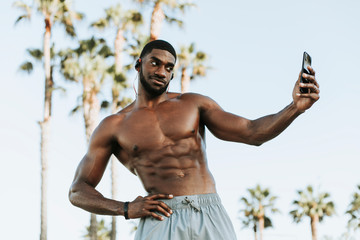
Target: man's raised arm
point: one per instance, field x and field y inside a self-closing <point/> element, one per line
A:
<point x="230" y="127"/>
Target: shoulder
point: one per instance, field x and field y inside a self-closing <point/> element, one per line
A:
<point x="193" y="97"/>
<point x="116" y="118"/>
<point x="201" y="101"/>
<point x="107" y="126"/>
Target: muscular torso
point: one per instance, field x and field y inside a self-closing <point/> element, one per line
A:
<point x="164" y="146"/>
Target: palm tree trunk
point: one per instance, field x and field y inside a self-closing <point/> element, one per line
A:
<point x="119" y="46"/>
<point x="261" y="227"/>
<point x="255" y="231"/>
<point x="113" y="193"/>
<point x="45" y="129"/>
<point x="91" y="114"/>
<point x="114" y="183"/>
<point x="185" y="80"/>
<point x="314" y="222"/>
<point x="157" y="17"/>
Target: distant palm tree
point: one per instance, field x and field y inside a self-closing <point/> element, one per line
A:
<point x="102" y="232"/>
<point x="134" y="49"/>
<point x="354" y="210"/>
<point x="257" y="208"/>
<point x="87" y="65"/>
<point x="314" y="206"/>
<point x="56" y="11"/>
<point x="36" y="56"/>
<point x="158" y="15"/>
<point x="194" y="61"/>
<point x="123" y="21"/>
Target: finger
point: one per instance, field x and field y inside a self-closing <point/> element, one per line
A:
<point x="312" y="71"/>
<point x="160" y="195"/>
<point x="309" y="77"/>
<point x="166" y="207"/>
<point x="147" y="213"/>
<point x="157" y="216"/>
<point x="313" y="88"/>
<point x="158" y="208"/>
<point x="313" y="96"/>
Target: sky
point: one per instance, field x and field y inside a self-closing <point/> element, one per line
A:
<point x="255" y="50"/>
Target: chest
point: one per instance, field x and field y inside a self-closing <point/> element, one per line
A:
<point x="150" y="129"/>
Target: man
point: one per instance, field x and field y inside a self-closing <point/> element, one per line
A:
<point x="160" y="138"/>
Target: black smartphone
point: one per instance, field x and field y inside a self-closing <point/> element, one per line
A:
<point x="305" y="63"/>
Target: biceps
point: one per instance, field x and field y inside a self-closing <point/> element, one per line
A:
<point x="227" y="126"/>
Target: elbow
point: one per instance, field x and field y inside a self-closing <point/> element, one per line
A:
<point x="256" y="139"/>
<point x="256" y="143"/>
<point x="73" y="192"/>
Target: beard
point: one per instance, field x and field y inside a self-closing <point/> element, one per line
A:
<point x="149" y="89"/>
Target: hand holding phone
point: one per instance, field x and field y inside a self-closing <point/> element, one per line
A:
<point x="305" y="63"/>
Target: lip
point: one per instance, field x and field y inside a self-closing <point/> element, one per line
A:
<point x="158" y="81"/>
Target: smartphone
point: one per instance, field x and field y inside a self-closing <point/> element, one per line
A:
<point x="305" y="63"/>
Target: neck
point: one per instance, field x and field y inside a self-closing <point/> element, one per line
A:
<point x="144" y="99"/>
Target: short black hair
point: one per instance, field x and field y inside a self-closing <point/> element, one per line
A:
<point x="158" y="44"/>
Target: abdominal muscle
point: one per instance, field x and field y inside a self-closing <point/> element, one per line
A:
<point x="170" y="173"/>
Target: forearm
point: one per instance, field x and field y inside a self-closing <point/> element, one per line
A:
<point x="268" y="127"/>
<point x="88" y="198"/>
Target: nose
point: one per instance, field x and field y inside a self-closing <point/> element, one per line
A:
<point x="161" y="71"/>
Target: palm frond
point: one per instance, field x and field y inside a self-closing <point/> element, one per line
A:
<point x="26" y="10"/>
<point x="173" y="20"/>
<point x="76" y="109"/>
<point x="100" y="24"/>
<point x="26" y="67"/>
<point x="35" y="53"/>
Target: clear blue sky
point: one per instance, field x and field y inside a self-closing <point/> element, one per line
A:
<point x="256" y="49"/>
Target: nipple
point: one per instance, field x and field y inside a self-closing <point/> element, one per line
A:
<point x="135" y="148"/>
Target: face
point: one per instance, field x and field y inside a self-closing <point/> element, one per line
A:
<point x="156" y="69"/>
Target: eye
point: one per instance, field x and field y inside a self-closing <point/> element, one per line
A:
<point x="169" y="69"/>
<point x="153" y="63"/>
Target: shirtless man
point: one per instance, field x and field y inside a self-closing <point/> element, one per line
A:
<point x="160" y="138"/>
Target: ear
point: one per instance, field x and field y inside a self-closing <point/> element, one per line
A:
<point x="137" y="64"/>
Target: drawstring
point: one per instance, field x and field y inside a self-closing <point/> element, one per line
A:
<point x="190" y="203"/>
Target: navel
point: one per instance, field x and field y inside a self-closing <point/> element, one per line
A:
<point x="181" y="174"/>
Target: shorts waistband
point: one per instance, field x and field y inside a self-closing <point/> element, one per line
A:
<point x="192" y="201"/>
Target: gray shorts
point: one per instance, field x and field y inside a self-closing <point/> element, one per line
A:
<point x="200" y="217"/>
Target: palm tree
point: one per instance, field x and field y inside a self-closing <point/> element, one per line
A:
<point x="158" y="15"/>
<point x="314" y="206"/>
<point x="189" y="59"/>
<point x="102" y="231"/>
<point x="87" y="65"/>
<point x="124" y="22"/>
<point x="56" y="11"/>
<point x="354" y="210"/>
<point x="256" y="209"/>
